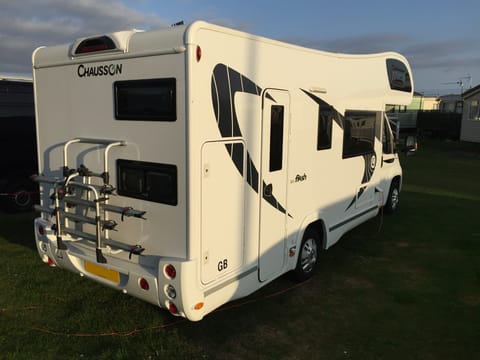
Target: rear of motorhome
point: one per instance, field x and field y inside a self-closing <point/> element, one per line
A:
<point x="18" y="151"/>
<point x="191" y="166"/>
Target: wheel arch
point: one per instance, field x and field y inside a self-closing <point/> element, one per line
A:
<point x="316" y="224"/>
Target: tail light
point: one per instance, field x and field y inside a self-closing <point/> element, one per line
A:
<point x="173" y="309"/>
<point x="171" y="292"/>
<point x="170" y="271"/>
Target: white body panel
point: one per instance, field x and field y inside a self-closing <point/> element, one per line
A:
<point x="227" y="233"/>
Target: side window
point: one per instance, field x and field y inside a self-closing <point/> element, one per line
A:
<point x="151" y="99"/>
<point x="358" y="133"/>
<point x="398" y="76"/>
<point x="324" y="132"/>
<point x="276" y="137"/>
<point x="387" y="138"/>
<point x="473" y="113"/>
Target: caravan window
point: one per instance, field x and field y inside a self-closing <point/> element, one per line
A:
<point x="276" y="137"/>
<point x="147" y="181"/>
<point x="358" y="133"/>
<point x="151" y="100"/>
<point x="388" y="142"/>
<point x="398" y="75"/>
<point x="324" y="133"/>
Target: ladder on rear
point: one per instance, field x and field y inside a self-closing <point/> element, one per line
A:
<point x="75" y="196"/>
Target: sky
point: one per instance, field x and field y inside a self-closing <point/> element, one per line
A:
<point x="441" y="38"/>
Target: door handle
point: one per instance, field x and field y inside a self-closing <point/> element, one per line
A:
<point x="267" y="190"/>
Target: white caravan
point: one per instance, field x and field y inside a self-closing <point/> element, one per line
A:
<point x="193" y="165"/>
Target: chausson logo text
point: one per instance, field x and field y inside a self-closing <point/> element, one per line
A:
<point x="99" y="70"/>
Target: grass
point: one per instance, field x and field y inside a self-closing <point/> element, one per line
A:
<point x="405" y="286"/>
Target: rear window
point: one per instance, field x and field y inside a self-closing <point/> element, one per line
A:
<point x="147" y="181"/>
<point x="148" y="100"/>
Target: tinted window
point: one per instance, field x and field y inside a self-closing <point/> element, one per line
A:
<point x="147" y="181"/>
<point x="387" y="138"/>
<point x="153" y="99"/>
<point x="276" y="137"/>
<point x="324" y="134"/>
<point x="398" y="75"/>
<point x="358" y="133"/>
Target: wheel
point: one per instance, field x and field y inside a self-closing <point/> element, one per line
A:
<point x="308" y="256"/>
<point x="393" y="198"/>
<point x="20" y="198"/>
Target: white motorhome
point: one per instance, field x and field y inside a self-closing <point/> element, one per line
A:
<point x="191" y="166"/>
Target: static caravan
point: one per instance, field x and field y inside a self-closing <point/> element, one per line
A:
<point x="18" y="159"/>
<point x="191" y="166"/>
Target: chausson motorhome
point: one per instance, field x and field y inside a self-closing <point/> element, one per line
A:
<point x="191" y="166"/>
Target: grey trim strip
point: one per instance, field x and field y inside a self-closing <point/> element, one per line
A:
<point x="335" y="227"/>
<point x="228" y="282"/>
<point x="115" y="56"/>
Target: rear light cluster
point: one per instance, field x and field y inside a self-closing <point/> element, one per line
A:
<point x="171" y="273"/>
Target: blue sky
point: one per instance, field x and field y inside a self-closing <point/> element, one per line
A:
<point x="440" y="38"/>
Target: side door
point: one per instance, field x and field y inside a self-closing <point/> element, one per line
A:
<point x="389" y="159"/>
<point x="273" y="199"/>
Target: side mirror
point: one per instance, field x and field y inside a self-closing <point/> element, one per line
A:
<point x="411" y="145"/>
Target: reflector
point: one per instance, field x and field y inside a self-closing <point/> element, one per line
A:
<point x="199" y="53"/>
<point x="144" y="284"/>
<point x="51" y="263"/>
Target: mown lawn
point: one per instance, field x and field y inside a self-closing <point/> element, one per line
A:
<point x="405" y="286"/>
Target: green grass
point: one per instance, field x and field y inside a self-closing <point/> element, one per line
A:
<point x="405" y="286"/>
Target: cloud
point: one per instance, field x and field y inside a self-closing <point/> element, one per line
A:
<point x="27" y="24"/>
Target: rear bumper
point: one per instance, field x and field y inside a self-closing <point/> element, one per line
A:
<point x="125" y="274"/>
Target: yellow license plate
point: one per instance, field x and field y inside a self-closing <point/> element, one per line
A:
<point x="105" y="273"/>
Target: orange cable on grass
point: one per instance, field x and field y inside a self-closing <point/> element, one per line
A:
<point x="159" y="327"/>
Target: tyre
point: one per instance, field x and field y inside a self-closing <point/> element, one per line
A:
<point x="20" y="198"/>
<point x="308" y="256"/>
<point x="393" y="198"/>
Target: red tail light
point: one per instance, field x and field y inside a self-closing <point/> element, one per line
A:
<point x="170" y="271"/>
<point x="172" y="308"/>
<point x="41" y="230"/>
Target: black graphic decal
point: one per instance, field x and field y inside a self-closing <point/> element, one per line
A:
<point x="369" y="168"/>
<point x="225" y="83"/>
<point x="323" y="104"/>
<point x="369" y="159"/>
<point x="236" y="153"/>
<point x="370" y="164"/>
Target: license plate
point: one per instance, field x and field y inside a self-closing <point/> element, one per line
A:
<point x="108" y="274"/>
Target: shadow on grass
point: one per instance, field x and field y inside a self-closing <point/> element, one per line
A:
<point x="395" y="286"/>
<point x="18" y="228"/>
